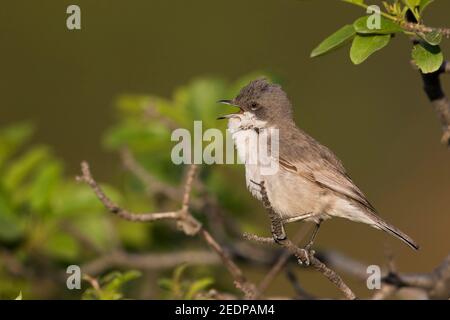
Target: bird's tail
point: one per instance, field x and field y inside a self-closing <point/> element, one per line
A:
<point x="383" y="225"/>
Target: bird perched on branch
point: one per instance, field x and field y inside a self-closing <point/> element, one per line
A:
<point x="306" y="181"/>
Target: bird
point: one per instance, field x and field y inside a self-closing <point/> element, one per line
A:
<point x="310" y="183"/>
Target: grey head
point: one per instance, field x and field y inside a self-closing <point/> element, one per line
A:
<point x="267" y="101"/>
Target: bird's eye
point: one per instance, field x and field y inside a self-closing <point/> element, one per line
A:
<point x="254" y="106"/>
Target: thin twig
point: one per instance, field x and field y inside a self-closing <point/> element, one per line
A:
<point x="279" y="265"/>
<point x="152" y="261"/>
<point x="304" y="256"/>
<point x="314" y="262"/>
<point x="114" y="208"/>
<point x="423" y="29"/>
<point x="185" y="221"/>
<point x="301" y="293"/>
<point x="432" y="81"/>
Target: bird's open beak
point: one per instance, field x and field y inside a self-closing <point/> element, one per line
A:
<point x="231" y="115"/>
<point x="225" y="101"/>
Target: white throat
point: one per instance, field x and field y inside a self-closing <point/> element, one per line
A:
<point x="245" y="130"/>
<point x="245" y="121"/>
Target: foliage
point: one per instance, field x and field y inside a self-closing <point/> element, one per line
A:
<point x="36" y="200"/>
<point x="367" y="39"/>
<point x="177" y="287"/>
<point x="46" y="218"/>
<point x="109" y="286"/>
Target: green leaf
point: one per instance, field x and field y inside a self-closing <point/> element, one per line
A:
<point x="166" y="284"/>
<point x="433" y="38"/>
<point x="178" y="272"/>
<point x="12" y="137"/>
<point x="387" y="26"/>
<point x="116" y="280"/>
<point x="198" y="286"/>
<point x="11" y="227"/>
<point x="77" y="200"/>
<point x="357" y="2"/>
<point x="423" y="4"/>
<point x="62" y="246"/>
<point x="20" y="169"/>
<point x="411" y="4"/>
<point x="334" y="41"/>
<point x="428" y="58"/>
<point x="364" y="46"/>
<point x="44" y="184"/>
<point x="19" y="297"/>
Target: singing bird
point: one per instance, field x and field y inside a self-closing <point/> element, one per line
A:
<point x="310" y="183"/>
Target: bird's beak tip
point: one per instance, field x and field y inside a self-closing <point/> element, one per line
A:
<point x="225" y="101"/>
<point x="229" y="102"/>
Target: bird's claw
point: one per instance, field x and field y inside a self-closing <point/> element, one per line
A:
<point x="303" y="257"/>
<point x="279" y="238"/>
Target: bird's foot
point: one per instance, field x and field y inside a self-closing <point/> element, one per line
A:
<point x="279" y="238"/>
<point x="308" y="247"/>
<point x="304" y="256"/>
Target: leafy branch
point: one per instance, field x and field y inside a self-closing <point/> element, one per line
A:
<point x="371" y="33"/>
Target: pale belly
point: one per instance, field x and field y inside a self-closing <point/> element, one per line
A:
<point x="289" y="194"/>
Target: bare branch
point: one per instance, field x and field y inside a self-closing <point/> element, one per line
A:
<point x="279" y="265"/>
<point x="114" y="208"/>
<point x="432" y="81"/>
<point x="304" y="256"/>
<point x="185" y="221"/>
<point x="344" y="264"/>
<point x="301" y="293"/>
<point x="156" y="261"/>
<point x="436" y="284"/>
<point x="423" y="29"/>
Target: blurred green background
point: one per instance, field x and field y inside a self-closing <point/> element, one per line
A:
<point x="375" y="116"/>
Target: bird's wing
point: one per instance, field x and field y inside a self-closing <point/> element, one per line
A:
<point x="315" y="162"/>
<point x="338" y="182"/>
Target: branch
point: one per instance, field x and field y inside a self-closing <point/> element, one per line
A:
<point x="313" y="262"/>
<point x="114" y="208"/>
<point x="435" y="284"/>
<point x="301" y="293"/>
<point x="304" y="256"/>
<point x="154" y="261"/>
<point x="423" y="29"/>
<point x="278" y="266"/>
<point x="184" y="219"/>
<point x="439" y="100"/>
<point x="432" y="82"/>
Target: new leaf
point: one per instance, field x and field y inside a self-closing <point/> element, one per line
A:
<point x="364" y="46"/>
<point x="334" y="41"/>
<point x="428" y="58"/>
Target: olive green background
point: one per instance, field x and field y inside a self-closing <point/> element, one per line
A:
<point x="374" y="116"/>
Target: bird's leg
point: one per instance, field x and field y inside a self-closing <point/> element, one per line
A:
<point x="277" y="227"/>
<point x="313" y="236"/>
<point x="276" y="223"/>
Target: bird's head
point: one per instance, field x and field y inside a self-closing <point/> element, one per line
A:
<point x="262" y="101"/>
